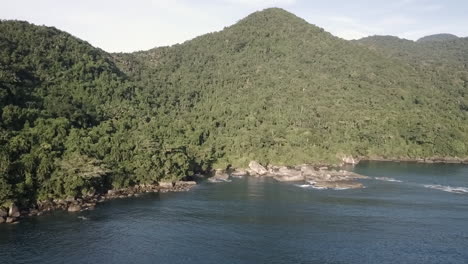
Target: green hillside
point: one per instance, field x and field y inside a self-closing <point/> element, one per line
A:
<point x="272" y="87"/>
<point x="438" y="38"/>
<point x="275" y="88"/>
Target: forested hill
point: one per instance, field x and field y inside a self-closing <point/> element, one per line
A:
<point x="434" y="50"/>
<point x="272" y="87"/>
<point x="438" y="37"/>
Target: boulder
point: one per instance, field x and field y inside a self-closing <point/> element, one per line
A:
<point x="10" y="219"/>
<point x="257" y="168"/>
<point x="166" y="184"/>
<point x="2" y="220"/>
<point x="239" y="173"/>
<point x="219" y="176"/>
<point x="74" y="208"/>
<point x="349" y="160"/>
<point x="3" y="212"/>
<point x="13" y="211"/>
<point x="308" y="170"/>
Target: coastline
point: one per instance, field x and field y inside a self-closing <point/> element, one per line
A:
<point x="430" y="160"/>
<point x="13" y="214"/>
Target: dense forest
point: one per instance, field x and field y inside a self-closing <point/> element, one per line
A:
<point x="76" y="120"/>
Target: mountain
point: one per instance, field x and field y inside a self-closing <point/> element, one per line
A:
<point x="433" y="50"/>
<point x="272" y="87"/>
<point x="438" y="37"/>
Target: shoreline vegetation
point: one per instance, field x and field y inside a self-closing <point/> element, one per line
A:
<point x="13" y="214"/>
<point x="318" y="176"/>
<point x="76" y="121"/>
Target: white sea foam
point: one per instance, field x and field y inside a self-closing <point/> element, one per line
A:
<point x="447" y="188"/>
<point x="388" y="179"/>
<point x="319" y="188"/>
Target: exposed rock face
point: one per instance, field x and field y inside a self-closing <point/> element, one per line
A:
<point x="335" y="179"/>
<point x="10" y="220"/>
<point x="219" y="176"/>
<point x="308" y="170"/>
<point x="239" y="173"/>
<point x="74" y="208"/>
<point x="349" y="160"/>
<point x="323" y="177"/>
<point x="166" y="184"/>
<point x="257" y="168"/>
<point x="13" y="211"/>
<point x="185" y="183"/>
<point x="286" y="174"/>
<point x="2" y="220"/>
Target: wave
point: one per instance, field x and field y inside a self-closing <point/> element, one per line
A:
<point x="447" y="188"/>
<point x="388" y="179"/>
<point x="319" y="188"/>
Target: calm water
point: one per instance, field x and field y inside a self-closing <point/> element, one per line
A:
<point x="422" y="219"/>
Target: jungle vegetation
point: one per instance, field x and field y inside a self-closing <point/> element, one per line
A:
<point x="75" y="120"/>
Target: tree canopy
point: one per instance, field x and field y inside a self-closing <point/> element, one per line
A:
<point x="77" y="120"/>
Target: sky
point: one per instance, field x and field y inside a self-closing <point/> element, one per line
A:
<point x="126" y="26"/>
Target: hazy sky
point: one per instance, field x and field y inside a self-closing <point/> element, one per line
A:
<point x="117" y="25"/>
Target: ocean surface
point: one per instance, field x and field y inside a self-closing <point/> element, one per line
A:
<point x="408" y="213"/>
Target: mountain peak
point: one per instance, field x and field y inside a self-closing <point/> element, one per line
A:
<point x="278" y="15"/>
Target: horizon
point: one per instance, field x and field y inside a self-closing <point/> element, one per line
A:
<point x="127" y="28"/>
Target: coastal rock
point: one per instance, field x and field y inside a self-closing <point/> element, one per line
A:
<point x="308" y="170"/>
<point x="2" y="220"/>
<point x="74" y="208"/>
<point x="70" y="199"/>
<point x="185" y="183"/>
<point x="166" y="184"/>
<point x="349" y="160"/>
<point x="13" y="211"/>
<point x="286" y="174"/>
<point x="239" y="173"/>
<point x="10" y="220"/>
<point x="257" y="168"/>
<point x="219" y="176"/>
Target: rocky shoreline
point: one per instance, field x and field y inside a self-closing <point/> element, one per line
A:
<point x="317" y="176"/>
<point x="13" y="214"/>
<point x="322" y="177"/>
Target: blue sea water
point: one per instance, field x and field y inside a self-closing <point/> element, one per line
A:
<point x="408" y="213"/>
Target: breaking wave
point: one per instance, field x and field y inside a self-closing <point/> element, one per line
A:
<point x="447" y="188"/>
<point x="319" y="188"/>
<point x="388" y="179"/>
